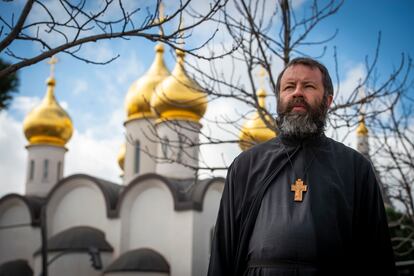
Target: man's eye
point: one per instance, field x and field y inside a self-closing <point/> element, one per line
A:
<point x="310" y="86"/>
<point x="289" y="87"/>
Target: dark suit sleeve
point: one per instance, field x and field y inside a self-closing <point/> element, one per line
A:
<point x="223" y="247"/>
<point x="374" y="249"/>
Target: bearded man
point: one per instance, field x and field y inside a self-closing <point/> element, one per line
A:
<point x="302" y="203"/>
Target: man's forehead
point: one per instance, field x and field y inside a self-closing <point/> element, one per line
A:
<point x="302" y="72"/>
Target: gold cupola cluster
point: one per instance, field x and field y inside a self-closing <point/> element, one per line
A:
<point x="137" y="102"/>
<point x="48" y="123"/>
<point x="179" y="97"/>
<point x="255" y="130"/>
<point x="159" y="94"/>
<point x="362" y="129"/>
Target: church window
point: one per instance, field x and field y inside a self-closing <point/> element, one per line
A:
<point x="46" y="169"/>
<point x="195" y="152"/>
<point x="31" y="169"/>
<point x="180" y="148"/>
<point x="59" y="170"/>
<point x="164" y="146"/>
<point x="137" y="156"/>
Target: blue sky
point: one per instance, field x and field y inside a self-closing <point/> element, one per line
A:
<point x="94" y="95"/>
<point x="359" y="23"/>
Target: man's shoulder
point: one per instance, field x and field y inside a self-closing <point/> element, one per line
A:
<point x="258" y="151"/>
<point x="344" y="151"/>
<point x="248" y="169"/>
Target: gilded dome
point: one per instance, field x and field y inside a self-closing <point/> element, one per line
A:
<point x="137" y="101"/>
<point x="48" y="123"/>
<point x="255" y="131"/>
<point x="362" y="129"/>
<point x="179" y="97"/>
<point x="121" y="156"/>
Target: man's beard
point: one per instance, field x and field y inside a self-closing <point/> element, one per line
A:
<point x="302" y="124"/>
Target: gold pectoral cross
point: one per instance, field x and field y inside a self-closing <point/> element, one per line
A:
<point x="298" y="188"/>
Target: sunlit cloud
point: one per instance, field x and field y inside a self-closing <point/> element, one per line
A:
<point x="12" y="155"/>
<point x="24" y="104"/>
<point x="80" y="86"/>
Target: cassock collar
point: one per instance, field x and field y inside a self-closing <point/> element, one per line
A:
<point x="314" y="140"/>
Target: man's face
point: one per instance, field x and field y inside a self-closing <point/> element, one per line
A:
<point x="301" y="90"/>
<point x="302" y="104"/>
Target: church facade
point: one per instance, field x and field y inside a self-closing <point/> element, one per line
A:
<point x="158" y="221"/>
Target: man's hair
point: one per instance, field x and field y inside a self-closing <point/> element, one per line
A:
<point x="326" y="79"/>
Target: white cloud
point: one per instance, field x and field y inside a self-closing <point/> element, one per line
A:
<point x="297" y="3"/>
<point x="92" y="156"/>
<point x="111" y="128"/>
<point x="129" y="67"/>
<point x="353" y="77"/>
<point x="80" y="86"/>
<point x="65" y="106"/>
<point x="98" y="52"/>
<point x="220" y="155"/>
<point x="24" y="104"/>
<point x="114" y="12"/>
<point x="12" y="155"/>
<point x="38" y="14"/>
<point x="95" y="150"/>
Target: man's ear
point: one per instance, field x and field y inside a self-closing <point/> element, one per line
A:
<point x="329" y="100"/>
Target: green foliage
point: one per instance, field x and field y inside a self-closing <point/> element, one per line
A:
<point x="8" y="85"/>
<point x="402" y="234"/>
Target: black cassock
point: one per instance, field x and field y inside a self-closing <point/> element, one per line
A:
<point x="340" y="227"/>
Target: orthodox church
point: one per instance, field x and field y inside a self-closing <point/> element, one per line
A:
<point x="158" y="221"/>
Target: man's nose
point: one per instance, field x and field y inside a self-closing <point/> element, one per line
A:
<point x="298" y="91"/>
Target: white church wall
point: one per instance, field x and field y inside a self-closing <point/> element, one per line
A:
<point x="203" y="226"/>
<point x="141" y="130"/>
<point x="17" y="242"/>
<point x="113" y="234"/>
<point x="178" y="135"/>
<point x="149" y="221"/>
<point x="70" y="264"/>
<point x="182" y="244"/>
<point x="43" y="179"/>
<point x="78" y="202"/>
<point x="146" y="216"/>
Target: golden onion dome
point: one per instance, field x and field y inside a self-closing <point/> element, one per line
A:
<point x="179" y="97"/>
<point x="362" y="129"/>
<point x="137" y="101"/>
<point x="121" y="156"/>
<point x="48" y="123"/>
<point x="255" y="131"/>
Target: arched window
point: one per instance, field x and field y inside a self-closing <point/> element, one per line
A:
<point x="180" y="148"/>
<point x="31" y="169"/>
<point x="137" y="156"/>
<point x="59" y="170"/>
<point x="164" y="146"/>
<point x="46" y="169"/>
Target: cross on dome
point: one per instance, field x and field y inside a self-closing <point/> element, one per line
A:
<point x="161" y="17"/>
<point x="53" y="60"/>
